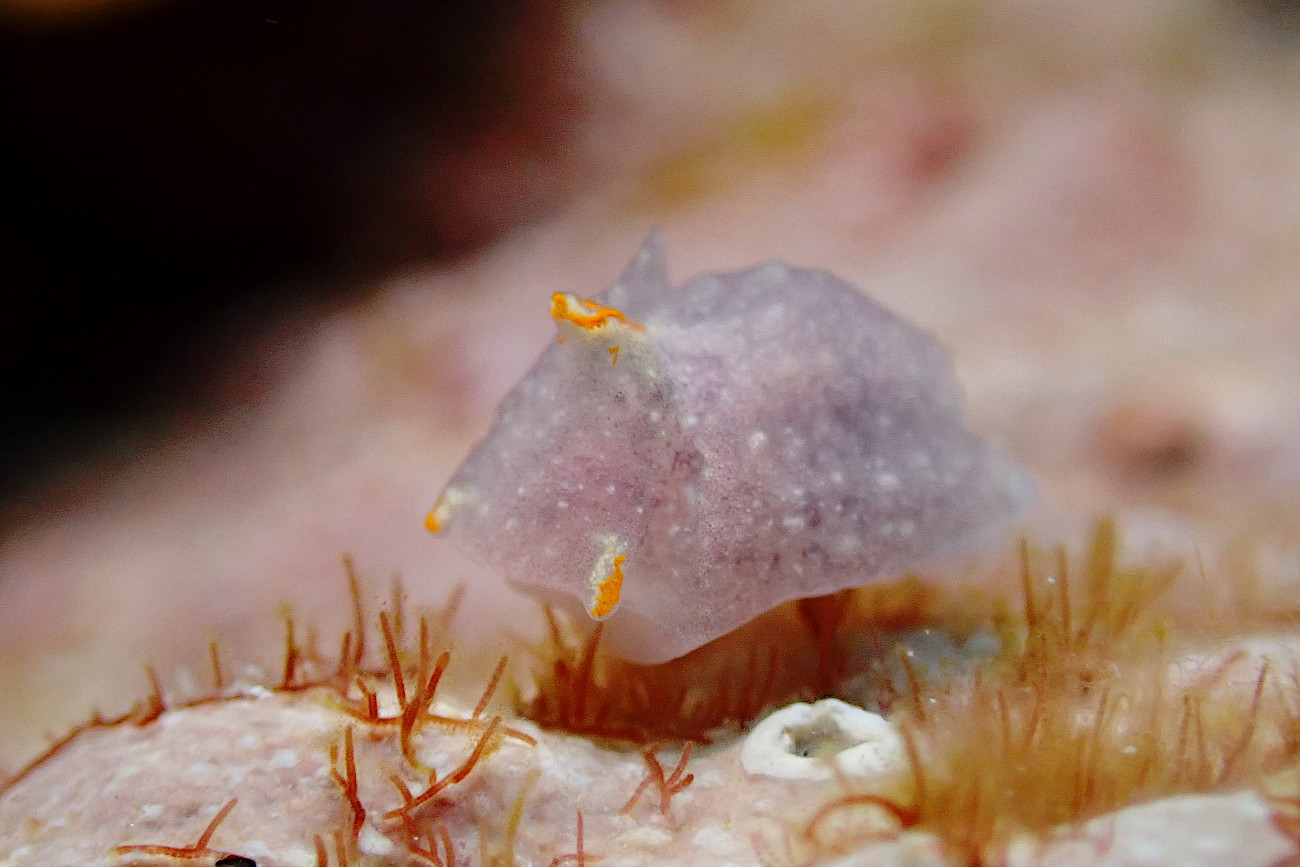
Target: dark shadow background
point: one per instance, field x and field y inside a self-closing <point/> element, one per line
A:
<point x="173" y="172"/>
<point x="169" y="169"/>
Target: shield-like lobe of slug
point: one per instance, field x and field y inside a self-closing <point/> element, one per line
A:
<point x="680" y="461"/>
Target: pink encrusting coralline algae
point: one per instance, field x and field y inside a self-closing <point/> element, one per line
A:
<point x="680" y="461"/>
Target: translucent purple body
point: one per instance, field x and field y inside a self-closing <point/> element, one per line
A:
<point x="750" y="438"/>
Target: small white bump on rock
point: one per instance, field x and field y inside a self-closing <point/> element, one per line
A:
<point x="645" y="837"/>
<point x="373" y="842"/>
<point x="285" y="758"/>
<point x="719" y="843"/>
<point x="808" y="741"/>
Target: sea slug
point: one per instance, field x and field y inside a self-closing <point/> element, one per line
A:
<point x="680" y="461"/>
